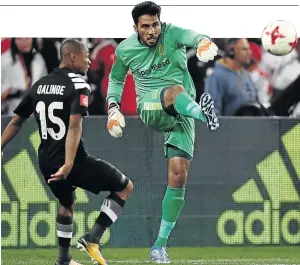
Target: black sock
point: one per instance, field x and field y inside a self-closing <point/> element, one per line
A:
<point x="64" y="226"/>
<point x="111" y="209"/>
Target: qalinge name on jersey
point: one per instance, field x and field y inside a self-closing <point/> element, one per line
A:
<point x="50" y="89"/>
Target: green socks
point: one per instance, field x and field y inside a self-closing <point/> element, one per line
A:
<point x="186" y="106"/>
<point x="171" y="207"/>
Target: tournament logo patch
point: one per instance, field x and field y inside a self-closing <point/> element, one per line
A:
<point x="161" y="50"/>
<point x="84" y="100"/>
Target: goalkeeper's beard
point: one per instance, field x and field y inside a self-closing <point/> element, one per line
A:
<point x="145" y="42"/>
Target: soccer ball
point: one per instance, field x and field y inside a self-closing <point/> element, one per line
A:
<point x="279" y="38"/>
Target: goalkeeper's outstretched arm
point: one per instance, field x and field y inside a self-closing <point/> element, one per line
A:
<point x="116" y="120"/>
<point x="206" y="49"/>
<point x="185" y="37"/>
<point x="116" y="79"/>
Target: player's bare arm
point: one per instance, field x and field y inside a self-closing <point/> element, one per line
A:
<point x="73" y="137"/>
<point x="11" y="130"/>
<point x="72" y="141"/>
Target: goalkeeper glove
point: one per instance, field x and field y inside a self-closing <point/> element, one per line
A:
<point x="207" y="50"/>
<point x="116" y="120"/>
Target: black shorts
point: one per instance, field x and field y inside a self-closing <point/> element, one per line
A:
<point x="91" y="174"/>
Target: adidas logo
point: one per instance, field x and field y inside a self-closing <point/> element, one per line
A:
<point x="28" y="213"/>
<point x="274" y="217"/>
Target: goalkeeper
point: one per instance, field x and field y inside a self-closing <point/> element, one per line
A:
<point x="156" y="56"/>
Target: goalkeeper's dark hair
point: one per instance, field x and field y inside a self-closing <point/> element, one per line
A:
<point x="145" y="8"/>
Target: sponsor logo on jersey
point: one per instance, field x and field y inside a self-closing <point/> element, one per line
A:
<point x="153" y="67"/>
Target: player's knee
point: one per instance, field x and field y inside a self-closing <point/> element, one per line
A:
<point x="125" y="193"/>
<point x="178" y="167"/>
<point x="178" y="89"/>
<point x="171" y="93"/>
<point x="67" y="205"/>
<point x="129" y="188"/>
<point x="178" y="178"/>
<point x="67" y="210"/>
<point x="73" y="206"/>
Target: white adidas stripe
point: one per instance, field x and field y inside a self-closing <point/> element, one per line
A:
<point x="78" y="80"/>
<point x="72" y="75"/>
<point x="79" y="83"/>
<point x="109" y="212"/>
<point x="82" y="85"/>
<point x="64" y="234"/>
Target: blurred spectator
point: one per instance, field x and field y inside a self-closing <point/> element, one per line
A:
<point x="230" y="84"/>
<point x="259" y="77"/>
<point x="287" y="103"/>
<point x="5" y="44"/>
<point x="25" y="60"/>
<point x="50" y="53"/>
<point x="102" y="58"/>
<point x="255" y="40"/>
<point x="287" y="100"/>
<point x="200" y="71"/>
<point x="21" y="66"/>
<point x="283" y="72"/>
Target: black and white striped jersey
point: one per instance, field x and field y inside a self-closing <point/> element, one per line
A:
<point x="53" y="99"/>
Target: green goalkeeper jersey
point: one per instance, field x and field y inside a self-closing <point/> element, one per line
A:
<point x="163" y="65"/>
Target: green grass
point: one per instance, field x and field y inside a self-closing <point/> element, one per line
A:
<point x="179" y="256"/>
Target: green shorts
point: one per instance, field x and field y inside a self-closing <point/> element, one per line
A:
<point x="178" y="131"/>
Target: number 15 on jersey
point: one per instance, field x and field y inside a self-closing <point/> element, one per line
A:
<point x="43" y="114"/>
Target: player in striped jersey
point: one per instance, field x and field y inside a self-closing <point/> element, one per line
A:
<point x="59" y="101"/>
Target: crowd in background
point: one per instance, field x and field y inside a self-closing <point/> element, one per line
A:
<point x="267" y="85"/>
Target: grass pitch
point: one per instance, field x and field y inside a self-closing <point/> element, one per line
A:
<point x="179" y="256"/>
